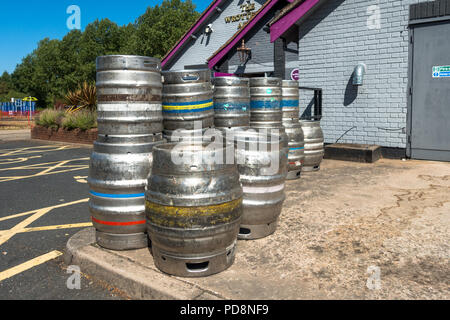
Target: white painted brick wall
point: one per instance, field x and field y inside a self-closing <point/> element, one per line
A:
<point x="332" y="42"/>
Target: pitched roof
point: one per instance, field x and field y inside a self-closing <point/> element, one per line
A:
<point x="285" y="11"/>
<point x="234" y="40"/>
<point x="208" y="11"/>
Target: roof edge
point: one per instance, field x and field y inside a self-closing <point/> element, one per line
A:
<point x="208" y="11"/>
<point x="222" y="51"/>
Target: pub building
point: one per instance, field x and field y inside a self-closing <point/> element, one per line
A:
<point x="382" y="67"/>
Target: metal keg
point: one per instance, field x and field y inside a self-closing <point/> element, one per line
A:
<point x="129" y="95"/>
<point x="296" y="156"/>
<point x="290" y="100"/>
<point x="274" y="128"/>
<point x="130" y="121"/>
<point x="194" y="208"/>
<point x="266" y="101"/>
<point x="262" y="168"/>
<point x="231" y="102"/>
<point x="314" y="145"/>
<point x="118" y="174"/>
<point x="187" y="98"/>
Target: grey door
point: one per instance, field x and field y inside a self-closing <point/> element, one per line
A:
<point x="430" y="101"/>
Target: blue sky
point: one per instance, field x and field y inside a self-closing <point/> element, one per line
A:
<point x="24" y="22"/>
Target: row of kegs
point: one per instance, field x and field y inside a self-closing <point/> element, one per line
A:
<point x="187" y="165"/>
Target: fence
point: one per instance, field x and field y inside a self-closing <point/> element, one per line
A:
<point x="18" y="108"/>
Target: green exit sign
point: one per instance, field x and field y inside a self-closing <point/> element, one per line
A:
<point x="441" y="72"/>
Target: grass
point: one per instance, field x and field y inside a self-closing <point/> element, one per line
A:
<point x="50" y="118"/>
<point x="83" y="119"/>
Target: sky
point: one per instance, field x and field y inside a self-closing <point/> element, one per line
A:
<point x="24" y="22"/>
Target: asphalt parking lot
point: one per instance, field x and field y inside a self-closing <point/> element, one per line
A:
<point x="43" y="201"/>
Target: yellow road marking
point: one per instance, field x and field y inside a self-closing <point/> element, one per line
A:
<point x="17" y="160"/>
<point x="81" y="179"/>
<point x="58" y="227"/>
<point x="47" y="169"/>
<point x="29" y="265"/>
<point x="5" y="235"/>
<point x="36" y="149"/>
<point x="51" y="208"/>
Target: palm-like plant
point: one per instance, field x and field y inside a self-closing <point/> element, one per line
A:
<point x="85" y="97"/>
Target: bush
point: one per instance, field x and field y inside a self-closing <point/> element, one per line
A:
<point x="50" y="118"/>
<point x="83" y="120"/>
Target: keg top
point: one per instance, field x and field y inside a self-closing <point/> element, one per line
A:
<point x="125" y="62"/>
<point x="231" y="81"/>
<point x="265" y="82"/>
<point x="186" y="76"/>
<point x="290" y="84"/>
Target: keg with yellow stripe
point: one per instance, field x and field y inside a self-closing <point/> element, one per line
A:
<point x="187" y="99"/>
<point x="193" y="208"/>
<point x="261" y="157"/>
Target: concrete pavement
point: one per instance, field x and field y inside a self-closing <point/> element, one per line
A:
<point x="15" y="135"/>
<point x="350" y="231"/>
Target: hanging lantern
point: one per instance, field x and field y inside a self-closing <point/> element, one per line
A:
<point x="244" y="53"/>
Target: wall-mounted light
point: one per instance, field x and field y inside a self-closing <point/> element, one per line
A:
<point x="358" y="74"/>
<point x="209" y="29"/>
<point x="244" y="53"/>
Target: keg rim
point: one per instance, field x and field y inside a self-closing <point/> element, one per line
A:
<point x="103" y="63"/>
<point x="233" y="80"/>
<point x="290" y="83"/>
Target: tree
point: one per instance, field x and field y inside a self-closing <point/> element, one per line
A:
<point x="162" y="26"/>
<point x="58" y="66"/>
<point x="5" y="83"/>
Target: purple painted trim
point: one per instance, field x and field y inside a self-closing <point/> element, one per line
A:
<point x="216" y="58"/>
<point x="220" y="74"/>
<point x="191" y="31"/>
<point x="282" y="25"/>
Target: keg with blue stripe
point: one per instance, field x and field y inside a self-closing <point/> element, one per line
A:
<point x="231" y="102"/>
<point x="187" y="99"/>
<point x="291" y="114"/>
<point x="314" y="145"/>
<point x="296" y="156"/>
<point x="265" y="104"/>
<point x="130" y="124"/>
<point x="194" y="208"/>
<point x="290" y="100"/>
<point x="261" y="158"/>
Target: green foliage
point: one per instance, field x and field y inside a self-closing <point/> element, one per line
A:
<point x="50" y="118"/>
<point x="83" y="120"/>
<point x="84" y="97"/>
<point x="162" y="26"/>
<point x="56" y="67"/>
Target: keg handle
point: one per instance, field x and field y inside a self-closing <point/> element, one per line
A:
<point x="190" y="77"/>
<point x="151" y="64"/>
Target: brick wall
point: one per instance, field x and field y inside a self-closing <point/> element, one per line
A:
<point x="338" y="36"/>
<point x="61" y="135"/>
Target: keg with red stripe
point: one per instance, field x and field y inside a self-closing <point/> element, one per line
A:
<point x="130" y="125"/>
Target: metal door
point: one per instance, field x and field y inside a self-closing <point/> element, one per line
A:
<point x="430" y="92"/>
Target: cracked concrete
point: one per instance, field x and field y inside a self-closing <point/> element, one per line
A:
<point x="336" y="223"/>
